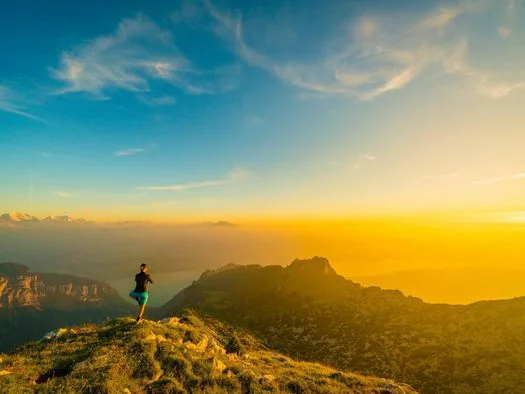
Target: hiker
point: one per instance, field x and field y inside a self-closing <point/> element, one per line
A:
<point x="140" y="294"/>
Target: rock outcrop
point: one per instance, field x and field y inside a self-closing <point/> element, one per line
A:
<point x="21" y="288"/>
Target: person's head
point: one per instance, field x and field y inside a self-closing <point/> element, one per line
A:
<point x="143" y="267"/>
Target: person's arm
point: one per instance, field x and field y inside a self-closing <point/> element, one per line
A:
<point x="149" y="279"/>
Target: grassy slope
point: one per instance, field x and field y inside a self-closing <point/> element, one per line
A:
<point x="175" y="356"/>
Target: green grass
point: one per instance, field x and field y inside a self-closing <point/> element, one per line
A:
<point x="189" y="356"/>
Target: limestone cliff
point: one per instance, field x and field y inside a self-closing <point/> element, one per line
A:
<point x="21" y="288"/>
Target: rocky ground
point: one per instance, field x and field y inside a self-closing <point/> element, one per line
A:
<point x="174" y="355"/>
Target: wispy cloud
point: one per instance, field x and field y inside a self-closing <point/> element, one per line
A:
<point x="138" y="52"/>
<point x="439" y="19"/>
<point x="362" y="160"/>
<point x="9" y="102"/>
<point x="509" y="19"/>
<point x="450" y="175"/>
<point x="128" y="152"/>
<point x="157" y="101"/>
<point x="504" y="31"/>
<point x="134" y="151"/>
<point x="234" y="176"/>
<point x="456" y="63"/>
<point x="505" y="178"/>
<point x="382" y="55"/>
<point x="158" y="204"/>
<point x="61" y="193"/>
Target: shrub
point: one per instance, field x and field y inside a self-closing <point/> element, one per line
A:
<point x="234" y="346"/>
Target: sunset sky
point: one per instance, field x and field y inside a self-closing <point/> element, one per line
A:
<point x="235" y="110"/>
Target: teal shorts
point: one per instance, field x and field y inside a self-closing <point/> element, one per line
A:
<point x="142" y="298"/>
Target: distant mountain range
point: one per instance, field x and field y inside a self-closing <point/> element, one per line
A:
<point x="31" y="303"/>
<point x="13" y="219"/>
<point x="307" y="311"/>
<point x="23" y="218"/>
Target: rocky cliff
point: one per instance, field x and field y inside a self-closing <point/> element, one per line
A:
<point x="31" y="303"/>
<point x="21" y="288"/>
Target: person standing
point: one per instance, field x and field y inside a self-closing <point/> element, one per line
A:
<point x="140" y="294"/>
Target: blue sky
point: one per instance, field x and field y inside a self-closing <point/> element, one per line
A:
<point x="224" y="109"/>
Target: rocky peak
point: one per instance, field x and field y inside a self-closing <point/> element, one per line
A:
<point x="316" y="265"/>
<point x="227" y="267"/>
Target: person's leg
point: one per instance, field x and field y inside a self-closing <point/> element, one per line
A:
<point x="142" y="302"/>
<point x="141" y="311"/>
<point x="133" y="296"/>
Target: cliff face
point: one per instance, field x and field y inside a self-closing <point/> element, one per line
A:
<point x="33" y="303"/>
<point x="20" y="288"/>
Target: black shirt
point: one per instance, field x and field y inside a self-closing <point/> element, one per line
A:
<point x="142" y="280"/>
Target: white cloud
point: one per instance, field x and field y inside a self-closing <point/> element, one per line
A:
<point x="382" y="55"/>
<point x="456" y="63"/>
<point x="504" y="31"/>
<point x="366" y="28"/>
<point x="234" y="176"/>
<point x="9" y="102"/>
<point x="439" y="19"/>
<point x="157" y="101"/>
<point x="137" y="53"/>
<point x="362" y="160"/>
<point x="128" y="152"/>
<point x="450" y="175"/>
<point x="61" y="193"/>
<point x="505" y="178"/>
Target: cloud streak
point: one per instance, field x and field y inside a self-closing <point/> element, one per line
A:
<point x="234" y="176"/>
<point x="506" y="178"/>
<point x="62" y="194"/>
<point x="133" y="151"/>
<point x="128" y="152"/>
<point x="11" y="104"/>
<point x="362" y="160"/>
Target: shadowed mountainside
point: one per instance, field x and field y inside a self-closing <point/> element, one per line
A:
<point x="308" y="311"/>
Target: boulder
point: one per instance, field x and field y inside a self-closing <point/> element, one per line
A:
<point x="170" y="320"/>
<point x="218" y="365"/>
<point x="55" y="334"/>
<point x="267" y="379"/>
<point x="203" y="343"/>
<point x="150" y="337"/>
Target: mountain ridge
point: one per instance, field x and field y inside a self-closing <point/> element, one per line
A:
<point x="328" y="319"/>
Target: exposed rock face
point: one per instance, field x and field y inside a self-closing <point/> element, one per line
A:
<point x="21" y="288"/>
<point x="32" y="303"/>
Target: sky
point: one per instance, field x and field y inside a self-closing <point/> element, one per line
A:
<point x="236" y="110"/>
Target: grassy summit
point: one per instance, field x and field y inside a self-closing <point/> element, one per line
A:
<point x="171" y="356"/>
